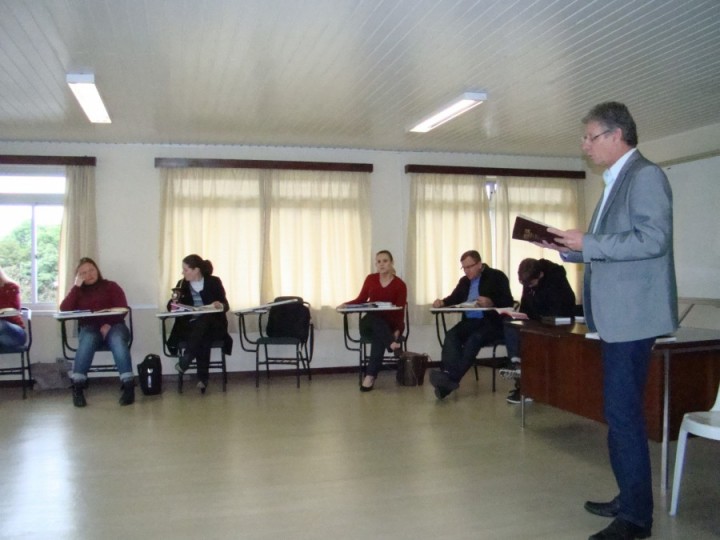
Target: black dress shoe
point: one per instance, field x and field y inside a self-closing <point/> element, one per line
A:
<point x="364" y="388"/>
<point x="442" y="383"/>
<point x="620" y="529"/>
<point x="604" y="509"/>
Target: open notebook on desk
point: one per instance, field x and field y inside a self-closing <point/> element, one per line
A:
<point x="185" y="307"/>
<point x="369" y="305"/>
<point x="472" y="306"/>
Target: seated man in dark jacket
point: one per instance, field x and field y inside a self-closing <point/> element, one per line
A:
<point x="487" y="288"/>
<point x="546" y="292"/>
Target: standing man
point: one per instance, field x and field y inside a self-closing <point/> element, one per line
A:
<point x="485" y="287"/>
<point x="630" y="297"/>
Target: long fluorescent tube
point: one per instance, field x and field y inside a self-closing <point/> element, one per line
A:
<point x="464" y="103"/>
<point x="83" y="86"/>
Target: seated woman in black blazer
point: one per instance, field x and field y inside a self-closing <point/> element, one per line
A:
<point x="199" y="288"/>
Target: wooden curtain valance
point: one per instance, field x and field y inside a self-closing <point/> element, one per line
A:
<point x="181" y="163"/>
<point x="494" y="171"/>
<point x="86" y="161"/>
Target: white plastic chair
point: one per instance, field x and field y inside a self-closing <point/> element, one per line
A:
<point x="703" y="424"/>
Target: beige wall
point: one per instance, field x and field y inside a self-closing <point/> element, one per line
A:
<point x="128" y="220"/>
<point x="128" y="226"/>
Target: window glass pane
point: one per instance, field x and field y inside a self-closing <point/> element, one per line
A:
<point x="47" y="220"/>
<point x="32" y="184"/>
<point x="16" y="246"/>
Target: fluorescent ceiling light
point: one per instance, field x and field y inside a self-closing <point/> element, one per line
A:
<point x="83" y="86"/>
<point x="462" y="104"/>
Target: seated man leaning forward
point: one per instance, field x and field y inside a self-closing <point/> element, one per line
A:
<point x="488" y="288"/>
<point x="546" y="292"/>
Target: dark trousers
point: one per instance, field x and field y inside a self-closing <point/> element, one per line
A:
<point x="464" y="341"/>
<point x="378" y="333"/>
<point x="198" y="334"/>
<point x="625" y="368"/>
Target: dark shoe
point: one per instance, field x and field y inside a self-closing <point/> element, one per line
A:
<point x="78" y="395"/>
<point x="128" y="393"/>
<point x="515" y="397"/>
<point x="182" y="365"/>
<point x="396" y="352"/>
<point x="442" y="383"/>
<point x="366" y="388"/>
<point x="620" y="529"/>
<point x="603" y="509"/>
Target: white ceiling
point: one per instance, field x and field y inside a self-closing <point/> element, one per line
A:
<point x="357" y="73"/>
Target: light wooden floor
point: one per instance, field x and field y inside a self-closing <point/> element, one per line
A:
<point x="321" y="462"/>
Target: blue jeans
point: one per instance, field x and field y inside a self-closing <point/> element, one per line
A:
<point x="90" y="340"/>
<point x="12" y="336"/>
<point x="512" y="339"/>
<point x="625" y="368"/>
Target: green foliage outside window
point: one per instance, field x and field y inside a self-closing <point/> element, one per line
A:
<point x="15" y="257"/>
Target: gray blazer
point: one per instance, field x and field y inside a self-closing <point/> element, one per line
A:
<point x="629" y="284"/>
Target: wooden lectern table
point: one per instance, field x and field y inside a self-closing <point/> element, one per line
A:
<point x="562" y="368"/>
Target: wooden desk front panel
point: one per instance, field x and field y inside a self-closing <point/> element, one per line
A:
<point x="564" y="369"/>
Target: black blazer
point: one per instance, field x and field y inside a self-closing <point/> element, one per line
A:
<point x="493" y="283"/>
<point x="213" y="291"/>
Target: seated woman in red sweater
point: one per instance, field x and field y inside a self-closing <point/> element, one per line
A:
<point x="382" y="328"/>
<point x="93" y="292"/>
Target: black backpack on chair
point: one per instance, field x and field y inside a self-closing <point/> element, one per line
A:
<point x="290" y="320"/>
<point x="150" y="375"/>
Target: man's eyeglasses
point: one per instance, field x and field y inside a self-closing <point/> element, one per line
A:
<point x="469" y="266"/>
<point x="591" y="138"/>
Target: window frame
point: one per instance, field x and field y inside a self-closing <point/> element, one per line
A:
<point x="33" y="201"/>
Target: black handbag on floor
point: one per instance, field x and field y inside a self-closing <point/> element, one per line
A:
<point x="411" y="368"/>
<point x="150" y="375"/>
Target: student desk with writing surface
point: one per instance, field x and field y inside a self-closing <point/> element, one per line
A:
<point x="562" y="368"/>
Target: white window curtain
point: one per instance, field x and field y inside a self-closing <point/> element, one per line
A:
<point x="550" y="200"/>
<point x="449" y="214"/>
<point x="78" y="233"/>
<point x="215" y="213"/>
<point x="269" y="233"/>
<point x="318" y="238"/>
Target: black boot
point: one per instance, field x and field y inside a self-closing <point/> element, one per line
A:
<point x="128" y="392"/>
<point x="78" y="394"/>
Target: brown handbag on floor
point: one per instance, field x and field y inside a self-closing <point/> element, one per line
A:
<point x="411" y="368"/>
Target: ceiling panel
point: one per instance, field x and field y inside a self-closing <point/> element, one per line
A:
<point x="357" y="73"/>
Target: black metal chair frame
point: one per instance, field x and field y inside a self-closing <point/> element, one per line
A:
<point x="494" y="362"/>
<point x="220" y="365"/>
<point x="303" y="350"/>
<point x="25" y="369"/>
<point x="361" y="345"/>
<point x="69" y="350"/>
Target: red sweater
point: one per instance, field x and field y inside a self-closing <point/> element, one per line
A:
<point x="102" y="294"/>
<point x="395" y="292"/>
<point x="10" y="297"/>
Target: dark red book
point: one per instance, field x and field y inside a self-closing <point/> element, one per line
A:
<point x="531" y="231"/>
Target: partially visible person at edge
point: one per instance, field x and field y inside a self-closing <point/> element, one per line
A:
<point x="12" y="329"/>
<point x="546" y="292"/>
<point x="199" y="287"/>
<point x="91" y="291"/>
<point x="485" y="287"/>
<point x="384" y="329"/>
<point x="629" y="298"/>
